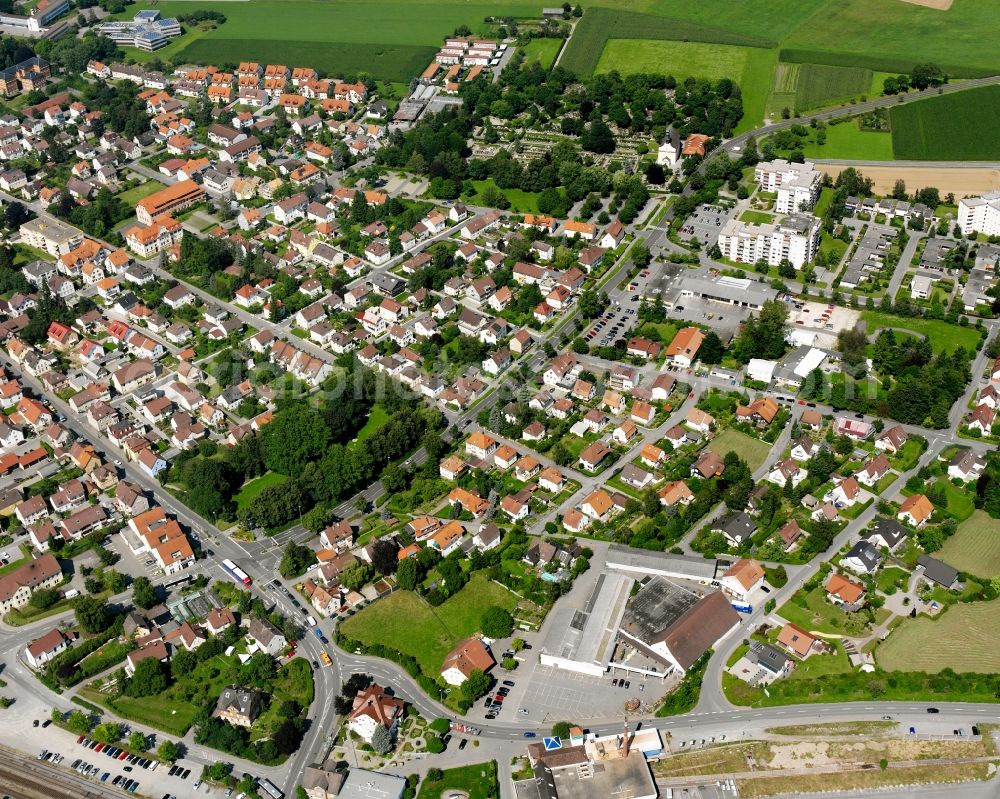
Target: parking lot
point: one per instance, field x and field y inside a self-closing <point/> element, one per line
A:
<point x="724" y="789"/>
<point x="111" y="766"/>
<point x="615" y="323"/>
<point x="722" y="317"/>
<point x="705" y="223"/>
<point x="550" y="693"/>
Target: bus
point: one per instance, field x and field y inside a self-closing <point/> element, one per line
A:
<point x="235" y="572"/>
<point x="270" y="789"/>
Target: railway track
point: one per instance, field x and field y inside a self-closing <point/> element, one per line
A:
<point x="22" y="778"/>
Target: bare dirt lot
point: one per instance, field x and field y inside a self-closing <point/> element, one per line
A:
<point x="959" y="181"/>
<point x="940" y="5"/>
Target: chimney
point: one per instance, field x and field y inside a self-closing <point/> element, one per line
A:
<point x="624" y="748"/>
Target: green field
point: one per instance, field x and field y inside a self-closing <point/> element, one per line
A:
<point x="251" y="489"/>
<point x="942" y="335"/>
<point x="680" y="59"/>
<point x="965" y="638"/>
<point x="542" y="50"/>
<point x="847" y="140"/>
<point x="949" y="127"/>
<point x="752" y="450"/>
<point x="975" y="546"/>
<point x="406" y="622"/>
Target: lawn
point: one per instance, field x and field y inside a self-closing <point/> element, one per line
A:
<point x="942" y="335"/>
<point x="521" y="202"/>
<point x="818" y="665"/>
<point x="254" y="487"/>
<point x="975" y="546"/>
<point x="390" y="39"/>
<point x="756" y="217"/>
<point x="665" y="330"/>
<point x="848" y="141"/>
<point x="542" y="50"/>
<point x="961" y="504"/>
<point x="405" y="622"/>
<point x="948" y="127"/>
<point x="752" y="450"/>
<point x="376" y="418"/>
<point x="132" y="196"/>
<point x="475" y="781"/>
<point x="965" y="638"/>
<point x="818" y="614"/>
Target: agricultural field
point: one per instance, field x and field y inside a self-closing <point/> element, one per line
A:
<point x="844" y="48"/>
<point x="752" y="450"/>
<point x="964" y="638"/>
<point x="948" y="127"/>
<point x="585" y="48"/>
<point x="975" y="546"/>
<point x="404" y="621"/>
<point x="807" y="86"/>
<point x="389" y="39"/>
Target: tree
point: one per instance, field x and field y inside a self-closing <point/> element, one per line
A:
<point x="496" y="622"/>
<point x="149" y="679"/>
<point x="382" y="740"/>
<point x="144" y="594"/>
<point x="434" y="745"/>
<point x="137" y="742"/>
<point x="355" y="575"/>
<point x="44" y="598"/>
<point x="711" y="350"/>
<point x="168" y="751"/>
<point x="598" y="138"/>
<point x="78" y="722"/>
<point x="108" y="733"/>
<point x="641" y="255"/>
<point x="561" y="730"/>
<point x="295" y="560"/>
<point x="408" y="574"/>
<point x="294" y="437"/>
<point x="183" y="662"/>
<point x="384" y="556"/>
<point x="92" y="614"/>
<point x="476" y="685"/>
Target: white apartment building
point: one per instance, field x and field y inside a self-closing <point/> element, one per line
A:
<point x="795" y="238"/>
<point x="980" y="214"/>
<point x="797" y="185"/>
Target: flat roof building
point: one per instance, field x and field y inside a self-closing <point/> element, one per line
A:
<point x="744" y="292"/>
<point x="589" y="633"/>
